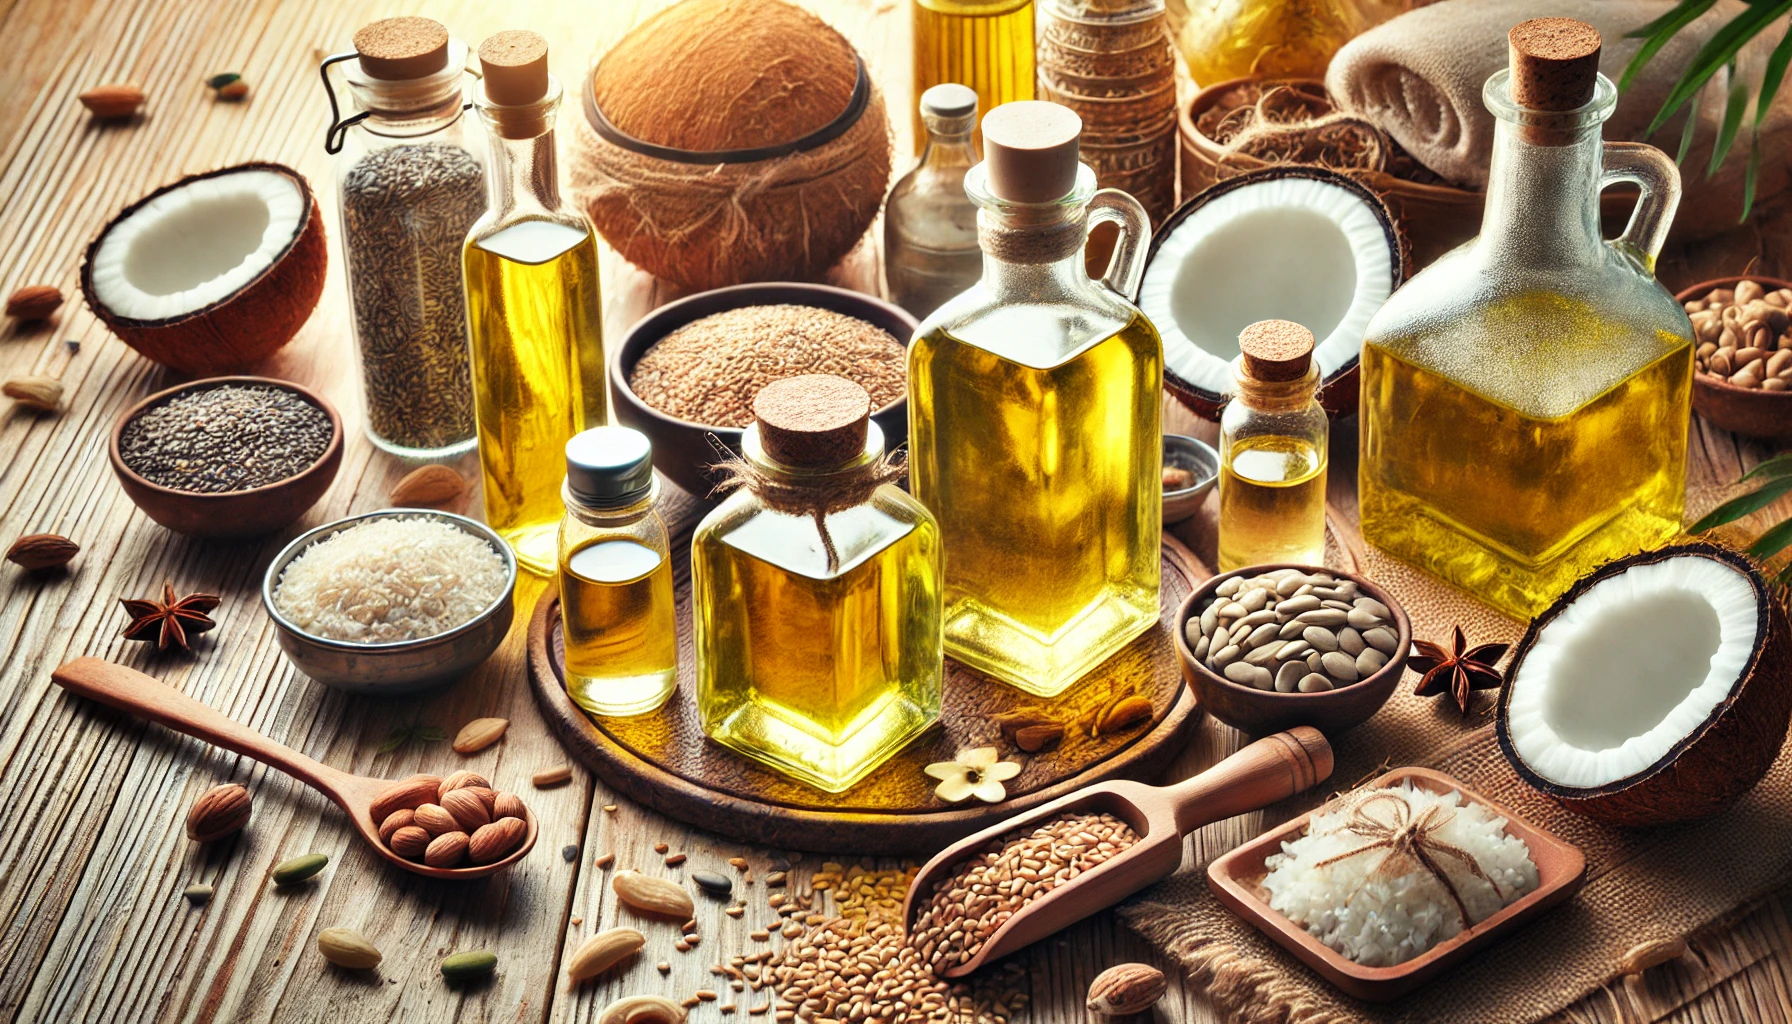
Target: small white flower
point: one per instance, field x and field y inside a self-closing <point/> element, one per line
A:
<point x="976" y="772"/>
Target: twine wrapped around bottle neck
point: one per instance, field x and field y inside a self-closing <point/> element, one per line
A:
<point x="1013" y="239"/>
<point x="816" y="495"/>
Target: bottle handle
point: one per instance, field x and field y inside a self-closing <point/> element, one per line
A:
<point x="1126" y="268"/>
<point x="1652" y="171"/>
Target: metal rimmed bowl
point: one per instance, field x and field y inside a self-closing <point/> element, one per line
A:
<point x="407" y="665"/>
<point x="1199" y="458"/>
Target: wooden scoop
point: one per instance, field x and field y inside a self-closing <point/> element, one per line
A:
<point x="131" y="691"/>
<point x="1271" y="769"/>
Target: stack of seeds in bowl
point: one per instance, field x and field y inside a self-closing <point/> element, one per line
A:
<point x="1289" y="631"/>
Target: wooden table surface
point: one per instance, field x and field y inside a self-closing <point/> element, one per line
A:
<point x="92" y="853"/>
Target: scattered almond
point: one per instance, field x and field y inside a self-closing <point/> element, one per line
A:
<point x="33" y="302"/>
<point x="1035" y="738"/>
<point x="428" y="487"/>
<point x="38" y="551"/>
<point x="118" y="99"/>
<point x="228" y="86"/>
<point x="603" y="951"/>
<point x="348" y="948"/>
<point x="36" y="392"/>
<point x="220" y="811"/>
<point x="446" y="850"/>
<point x="1126" y="989"/>
<point x="479" y="734"/>
<point x="406" y="794"/>
<point x="1126" y="714"/>
<point x="654" y="896"/>
<point x="494" y="842"/>
<point x="643" y="1010"/>
<point x="552" y="776"/>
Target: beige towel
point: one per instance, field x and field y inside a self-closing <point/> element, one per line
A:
<point x="1420" y="75"/>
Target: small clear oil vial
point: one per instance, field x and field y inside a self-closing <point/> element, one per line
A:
<point x="1273" y="452"/>
<point x="616" y="577"/>
<point x="817" y="595"/>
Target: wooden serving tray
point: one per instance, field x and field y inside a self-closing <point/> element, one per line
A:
<point x="664" y="760"/>
<point x="1237" y="879"/>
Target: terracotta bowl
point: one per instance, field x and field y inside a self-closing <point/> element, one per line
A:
<point x="681" y="449"/>
<point x="1748" y="411"/>
<point x="1236" y="878"/>
<point x="1259" y="712"/>
<point x="251" y="513"/>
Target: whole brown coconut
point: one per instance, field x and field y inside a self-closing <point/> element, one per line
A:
<point x="231" y="330"/>
<point x="766" y="161"/>
<point x="1710" y="765"/>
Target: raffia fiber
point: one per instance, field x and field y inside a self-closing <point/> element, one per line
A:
<point x="1642" y="884"/>
<point x="816" y="498"/>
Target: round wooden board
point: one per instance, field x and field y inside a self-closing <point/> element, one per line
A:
<point x="663" y="760"/>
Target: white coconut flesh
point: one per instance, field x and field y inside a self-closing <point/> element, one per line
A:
<point x="197" y="244"/>
<point x="1282" y="248"/>
<point x="1629" y="669"/>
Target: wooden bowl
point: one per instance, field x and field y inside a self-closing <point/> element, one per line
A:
<point x="249" y="513"/>
<point x="1237" y="877"/>
<point x="681" y="449"/>
<point x="1748" y="411"/>
<point x="1260" y="712"/>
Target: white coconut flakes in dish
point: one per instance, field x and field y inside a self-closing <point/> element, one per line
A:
<point x="1383" y="906"/>
<point x="390" y="580"/>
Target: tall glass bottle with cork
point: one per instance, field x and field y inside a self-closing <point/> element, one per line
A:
<point x="410" y="176"/>
<point x="533" y="307"/>
<point x="1273" y="452"/>
<point x="930" y="226"/>
<point x="1525" y="398"/>
<point x="984" y="44"/>
<point x="816" y="592"/>
<point x="1036" y="436"/>
<point x="616" y="602"/>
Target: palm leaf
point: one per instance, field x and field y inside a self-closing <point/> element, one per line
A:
<point x="1659" y="32"/>
<point x="1734" y="108"/>
<point x="1773" y="541"/>
<point x="1772" y="76"/>
<point x="1771" y="469"/>
<point x="1746" y="504"/>
<point x="1753" y="174"/>
<point x="1687" y="133"/>
<point x="1716" y="53"/>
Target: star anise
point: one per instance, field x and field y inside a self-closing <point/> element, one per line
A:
<point x="169" y="621"/>
<point x="1459" y="672"/>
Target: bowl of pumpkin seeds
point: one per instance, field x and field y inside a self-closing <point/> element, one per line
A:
<point x="1268" y="647"/>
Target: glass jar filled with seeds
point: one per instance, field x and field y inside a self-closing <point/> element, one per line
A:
<point x="411" y="180"/>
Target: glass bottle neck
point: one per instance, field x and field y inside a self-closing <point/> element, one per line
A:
<point x="1274" y="395"/>
<point x="948" y="151"/>
<point x="611" y="518"/>
<point x="1543" y="196"/>
<point x="1033" y="252"/>
<point x="524" y="173"/>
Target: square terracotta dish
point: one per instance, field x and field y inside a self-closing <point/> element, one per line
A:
<point x="1237" y="877"/>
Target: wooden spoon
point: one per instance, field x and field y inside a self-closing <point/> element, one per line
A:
<point x="1271" y="769"/>
<point x="131" y="691"/>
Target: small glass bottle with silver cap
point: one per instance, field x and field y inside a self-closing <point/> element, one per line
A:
<point x="930" y="225"/>
<point x="616" y="577"/>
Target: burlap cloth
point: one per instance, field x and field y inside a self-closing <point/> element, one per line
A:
<point x="1641" y="884"/>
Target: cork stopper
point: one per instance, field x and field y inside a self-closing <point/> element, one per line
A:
<point x="1555" y="63"/>
<point x="814" y="420"/>
<point x="515" y="67"/>
<point x="1276" y="350"/>
<point x="1030" y="150"/>
<point x="400" y="49"/>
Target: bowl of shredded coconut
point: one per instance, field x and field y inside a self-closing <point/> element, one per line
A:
<point x="393" y="601"/>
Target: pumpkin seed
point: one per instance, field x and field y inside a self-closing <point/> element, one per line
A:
<point x="289" y="872"/>
<point x="468" y="965"/>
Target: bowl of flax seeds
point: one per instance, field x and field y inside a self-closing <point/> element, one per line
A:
<point x="691" y="368"/>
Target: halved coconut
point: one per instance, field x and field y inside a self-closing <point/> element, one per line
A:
<point x="212" y="273"/>
<point x="1283" y="243"/>
<point x="1655" y="690"/>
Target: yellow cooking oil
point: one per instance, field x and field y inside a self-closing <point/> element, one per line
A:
<point x="984" y="44"/>
<point x="1043" y="464"/>
<point x="1538" y="442"/>
<point x="536" y="331"/>
<point x="820" y="672"/>
<point x="620" y="626"/>
<point x="1272" y="502"/>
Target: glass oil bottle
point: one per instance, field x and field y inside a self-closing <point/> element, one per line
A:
<point x="985" y="44"/>
<point x="1035" y="422"/>
<point x="1525" y="398"/>
<point x="930" y="226"/>
<point x="1273" y="452"/>
<point x="816" y="593"/>
<point x="616" y="601"/>
<point x="533" y="308"/>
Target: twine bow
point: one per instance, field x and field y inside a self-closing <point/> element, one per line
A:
<point x="816" y="497"/>
<point x="1409" y="840"/>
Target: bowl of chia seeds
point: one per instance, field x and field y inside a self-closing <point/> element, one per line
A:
<point x="691" y="368"/>
<point x="228" y="456"/>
